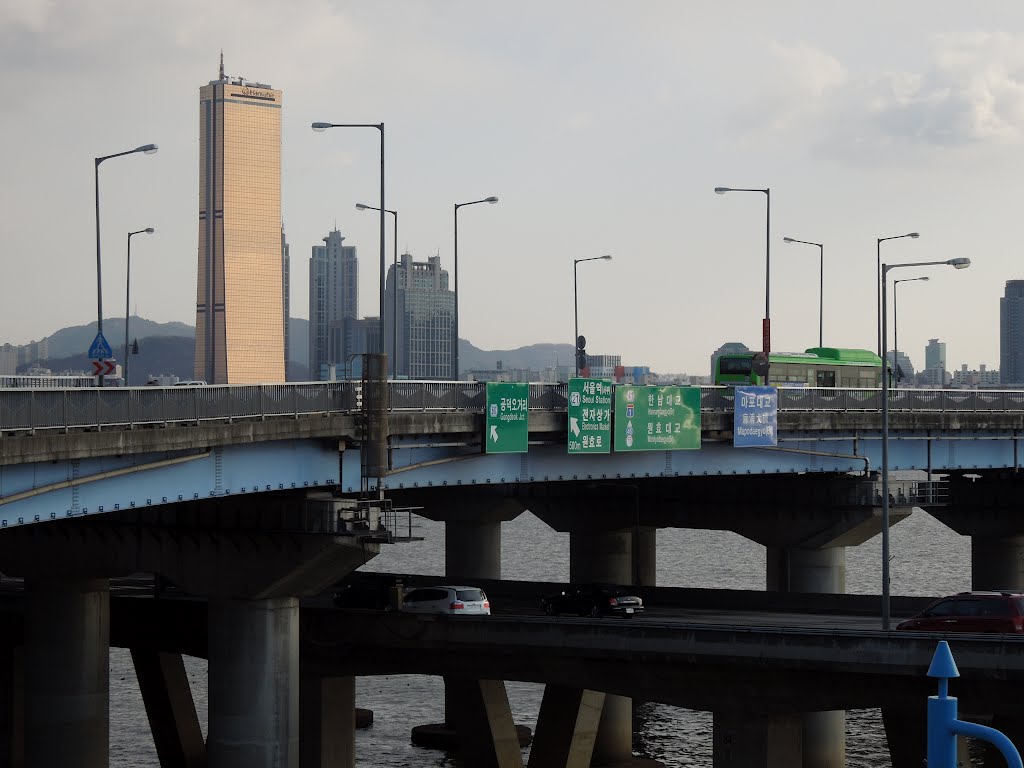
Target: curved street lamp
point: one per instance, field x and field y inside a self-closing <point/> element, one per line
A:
<point x="320" y="128"/>
<point x="394" y="313"/>
<point x="146" y="149"/>
<point x="766" y="326"/>
<point x="575" y="302"/>
<point x="455" y="342"/>
<point x="878" y="276"/>
<point x="128" y="294"/>
<point x="821" y="284"/>
<point x="958" y="263"/>
<point x="895" y="334"/>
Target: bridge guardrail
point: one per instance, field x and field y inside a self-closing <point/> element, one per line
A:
<point x="28" y="410"/>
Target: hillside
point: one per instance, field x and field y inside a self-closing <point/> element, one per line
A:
<point x="167" y="348"/>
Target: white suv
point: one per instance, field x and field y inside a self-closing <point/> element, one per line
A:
<point x="457" y="601"/>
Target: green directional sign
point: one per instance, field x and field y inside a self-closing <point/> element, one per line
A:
<point x="507" y="428"/>
<point x="657" y="418"/>
<point x="590" y="416"/>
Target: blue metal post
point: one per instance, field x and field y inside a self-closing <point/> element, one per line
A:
<point x="943" y="726"/>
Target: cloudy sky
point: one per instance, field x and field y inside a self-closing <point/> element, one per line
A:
<point x="603" y="127"/>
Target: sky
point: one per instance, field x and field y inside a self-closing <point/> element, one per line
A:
<point x="602" y="127"/>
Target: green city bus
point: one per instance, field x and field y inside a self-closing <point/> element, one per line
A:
<point x="815" y="367"/>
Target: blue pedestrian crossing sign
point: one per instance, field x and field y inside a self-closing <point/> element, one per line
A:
<point x="100" y="350"/>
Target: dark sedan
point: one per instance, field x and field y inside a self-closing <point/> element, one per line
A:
<point x="593" y="600"/>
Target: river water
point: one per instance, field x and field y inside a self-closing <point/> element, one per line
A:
<point x="927" y="559"/>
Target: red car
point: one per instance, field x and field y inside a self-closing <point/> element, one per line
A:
<point x="1001" y="611"/>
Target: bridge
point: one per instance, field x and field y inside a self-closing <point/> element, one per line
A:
<point x="253" y="497"/>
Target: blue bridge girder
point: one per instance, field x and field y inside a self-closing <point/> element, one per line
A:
<point x="86" y="451"/>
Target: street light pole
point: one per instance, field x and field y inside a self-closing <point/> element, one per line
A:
<point x="128" y="294"/>
<point x="958" y="263"/>
<point x="895" y="333"/>
<point x="455" y="342"/>
<point x="766" y="325"/>
<point x="147" y="149"/>
<point x="575" y="301"/>
<point x="394" y="313"/>
<point x="878" y="276"/>
<point x="821" y="285"/>
<point x="319" y="128"/>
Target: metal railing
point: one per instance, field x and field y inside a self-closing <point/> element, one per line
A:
<point x="28" y="410"/>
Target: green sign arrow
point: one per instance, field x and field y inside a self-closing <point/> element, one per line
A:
<point x="589" y="411"/>
<point x="657" y="418"/>
<point x="507" y="428"/>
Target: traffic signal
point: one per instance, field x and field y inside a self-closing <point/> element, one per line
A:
<point x="581" y="353"/>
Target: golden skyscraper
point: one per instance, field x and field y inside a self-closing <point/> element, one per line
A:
<point x="239" y="305"/>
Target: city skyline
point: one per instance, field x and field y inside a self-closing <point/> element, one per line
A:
<point x="609" y="138"/>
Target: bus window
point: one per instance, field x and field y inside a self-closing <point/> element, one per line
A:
<point x="734" y="365"/>
<point x="825" y="379"/>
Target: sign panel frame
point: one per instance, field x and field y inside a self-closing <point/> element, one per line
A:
<point x="651" y="418"/>
<point x="755" y="417"/>
<point x="588" y="416"/>
<point x="507" y="422"/>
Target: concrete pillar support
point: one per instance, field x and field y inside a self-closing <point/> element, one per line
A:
<point x="566" y="728"/>
<point x="487" y="736"/>
<point x="12" y="707"/>
<point x="645" y="556"/>
<point x="254" y="683"/>
<point x="67" y="672"/>
<point x="997" y="562"/>
<point x="170" y="708"/>
<point x="472" y="549"/>
<point x="795" y="569"/>
<point x="328" y="713"/>
<point x="748" y="740"/>
<point x="607" y="556"/>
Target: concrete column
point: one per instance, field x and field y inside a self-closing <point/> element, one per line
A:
<point x="748" y="740"/>
<point x="170" y="708"/>
<point x="12" y="707"/>
<point x="487" y="737"/>
<point x="607" y="556"/>
<point x="328" y="712"/>
<point x="566" y="727"/>
<point x="997" y="563"/>
<point x="254" y="683"/>
<point x="645" y="556"/>
<point x="472" y="549"/>
<point x="67" y="672"/>
<point x="793" y="569"/>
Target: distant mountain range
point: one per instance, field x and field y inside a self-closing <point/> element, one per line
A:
<point x="168" y="349"/>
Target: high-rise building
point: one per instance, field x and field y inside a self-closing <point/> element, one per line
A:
<point x="333" y="304"/>
<point x="286" y="281"/>
<point x="426" y="319"/>
<point x="239" y="333"/>
<point x="935" y="354"/>
<point x="729" y="348"/>
<point x="1011" y="333"/>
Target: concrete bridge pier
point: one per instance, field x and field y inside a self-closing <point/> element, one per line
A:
<point x="12" y="707"/>
<point x="328" y="714"/>
<point x="797" y="569"/>
<point x="253" y="683"/>
<point x="997" y="562"/>
<point x="67" y="672"/>
<point x="607" y="556"/>
<point x="472" y="550"/>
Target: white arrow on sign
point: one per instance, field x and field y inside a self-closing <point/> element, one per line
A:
<point x="574" y="425"/>
<point x="494" y="432"/>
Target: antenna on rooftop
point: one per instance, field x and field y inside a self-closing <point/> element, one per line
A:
<point x="221" y="63"/>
